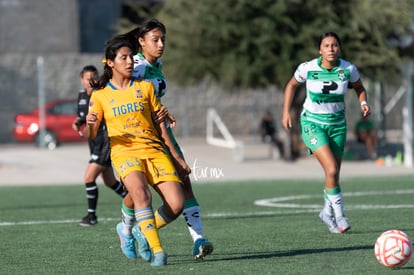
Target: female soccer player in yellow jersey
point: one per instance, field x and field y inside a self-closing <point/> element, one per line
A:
<point x="138" y="153"/>
<point x="148" y="41"/>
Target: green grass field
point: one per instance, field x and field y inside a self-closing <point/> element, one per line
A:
<point x="40" y="232"/>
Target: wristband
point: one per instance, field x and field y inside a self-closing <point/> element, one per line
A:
<point x="364" y="103"/>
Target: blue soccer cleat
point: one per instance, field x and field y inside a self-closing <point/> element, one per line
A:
<point x="202" y="248"/>
<point x="143" y="247"/>
<point x="127" y="243"/>
<point x="160" y="259"/>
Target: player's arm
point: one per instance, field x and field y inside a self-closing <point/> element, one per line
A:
<point x="92" y="125"/>
<point x="80" y="120"/>
<point x="179" y="162"/>
<point x="287" y="102"/>
<point x="163" y="114"/>
<point x="362" y="97"/>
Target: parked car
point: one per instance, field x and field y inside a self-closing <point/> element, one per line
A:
<point x="59" y="116"/>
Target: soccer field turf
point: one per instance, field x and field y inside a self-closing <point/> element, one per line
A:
<point x="257" y="227"/>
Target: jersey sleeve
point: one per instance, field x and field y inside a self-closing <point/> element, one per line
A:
<point x="139" y="69"/>
<point x="354" y="77"/>
<point x="96" y="106"/>
<point x="301" y="72"/>
<point x="154" y="103"/>
<point x="82" y="108"/>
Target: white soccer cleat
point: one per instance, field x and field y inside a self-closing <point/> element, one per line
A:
<point x="343" y="225"/>
<point x="329" y="221"/>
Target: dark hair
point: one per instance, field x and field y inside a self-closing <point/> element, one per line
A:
<point x="110" y="53"/>
<point x="327" y="34"/>
<point x="140" y="31"/>
<point x="88" y="68"/>
<point x="92" y="69"/>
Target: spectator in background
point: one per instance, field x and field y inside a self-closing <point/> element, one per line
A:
<point x="100" y="162"/>
<point x="366" y="133"/>
<point x="268" y="132"/>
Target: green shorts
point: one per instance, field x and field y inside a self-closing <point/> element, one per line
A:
<point x="315" y="135"/>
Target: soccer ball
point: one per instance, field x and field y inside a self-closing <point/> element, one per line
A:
<point x="393" y="248"/>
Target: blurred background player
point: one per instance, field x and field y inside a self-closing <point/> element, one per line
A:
<point x="268" y="132"/>
<point x="366" y="133"/>
<point x="100" y="162"/>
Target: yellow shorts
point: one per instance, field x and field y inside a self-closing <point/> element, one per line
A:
<point x="157" y="169"/>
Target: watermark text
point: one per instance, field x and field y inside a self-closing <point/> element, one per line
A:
<point x="200" y="172"/>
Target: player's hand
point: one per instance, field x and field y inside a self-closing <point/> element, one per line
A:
<point x="171" y="120"/>
<point x="287" y="122"/>
<point x="366" y="110"/>
<point x="91" y="119"/>
<point x="183" y="168"/>
<point x="75" y="126"/>
<point x="161" y="114"/>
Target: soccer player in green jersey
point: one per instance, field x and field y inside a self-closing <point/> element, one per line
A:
<point x="323" y="122"/>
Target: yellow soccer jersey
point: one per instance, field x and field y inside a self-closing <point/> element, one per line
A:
<point x="128" y="118"/>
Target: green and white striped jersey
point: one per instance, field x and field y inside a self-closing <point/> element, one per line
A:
<point x="144" y="70"/>
<point x="325" y="89"/>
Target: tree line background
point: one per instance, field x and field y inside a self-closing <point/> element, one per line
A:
<point x="246" y="43"/>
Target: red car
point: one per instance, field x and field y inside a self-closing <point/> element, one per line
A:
<point x="59" y="116"/>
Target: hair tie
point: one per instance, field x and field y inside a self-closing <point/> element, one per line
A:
<point x="103" y="61"/>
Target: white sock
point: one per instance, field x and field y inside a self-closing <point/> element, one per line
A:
<point x="128" y="222"/>
<point x="327" y="208"/>
<point x="193" y="220"/>
<point x="337" y="205"/>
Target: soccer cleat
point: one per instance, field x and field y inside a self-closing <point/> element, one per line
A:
<point x="343" y="225"/>
<point x="143" y="246"/>
<point x="329" y="221"/>
<point x="202" y="248"/>
<point x="89" y="220"/>
<point x="127" y="243"/>
<point x="160" y="259"/>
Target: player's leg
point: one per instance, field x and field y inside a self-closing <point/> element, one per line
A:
<point x="317" y="141"/>
<point x="132" y="230"/>
<point x="324" y="155"/>
<point x="338" y="139"/>
<point x="92" y="193"/>
<point x="192" y="216"/>
<point x="103" y="153"/>
<point x="110" y="181"/>
<point x="192" y="212"/>
<point x="135" y="181"/>
<point x="136" y="184"/>
<point x="330" y="157"/>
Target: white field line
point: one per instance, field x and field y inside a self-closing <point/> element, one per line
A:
<point x="279" y="202"/>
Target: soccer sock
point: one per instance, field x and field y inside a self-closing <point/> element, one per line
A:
<point x="161" y="219"/>
<point x="128" y="219"/>
<point x="335" y="197"/>
<point x="192" y="217"/>
<point x="92" y="196"/>
<point x="146" y="222"/>
<point x="327" y="208"/>
<point x="119" y="189"/>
